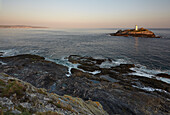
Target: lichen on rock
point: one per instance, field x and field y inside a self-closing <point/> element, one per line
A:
<point x="19" y="97"/>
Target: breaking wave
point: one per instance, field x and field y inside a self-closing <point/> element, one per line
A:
<point x="139" y="70"/>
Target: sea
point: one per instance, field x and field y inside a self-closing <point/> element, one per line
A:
<point x="150" y="55"/>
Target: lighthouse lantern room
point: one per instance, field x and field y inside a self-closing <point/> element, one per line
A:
<point x="136" y="28"/>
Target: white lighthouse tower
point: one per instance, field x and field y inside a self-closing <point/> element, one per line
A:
<point x="136" y="28"/>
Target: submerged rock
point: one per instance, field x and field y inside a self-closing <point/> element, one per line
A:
<point x="116" y="90"/>
<point x="135" y="33"/>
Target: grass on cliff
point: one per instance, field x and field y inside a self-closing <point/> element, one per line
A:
<point x="59" y="104"/>
<point x="48" y="113"/>
<point x="2" y="83"/>
<point x="10" y="113"/>
<point x="13" y="87"/>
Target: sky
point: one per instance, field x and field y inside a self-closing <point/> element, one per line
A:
<point x="86" y="13"/>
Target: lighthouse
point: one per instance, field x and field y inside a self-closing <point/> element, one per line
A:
<point x="136" y="28"/>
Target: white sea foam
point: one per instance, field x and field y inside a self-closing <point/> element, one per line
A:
<point x="70" y="65"/>
<point x="10" y="52"/>
<point x="150" y="89"/>
<point x="112" y="63"/>
<point x="98" y="57"/>
<point x="3" y="63"/>
<point x="64" y="62"/>
<point x="120" y="61"/>
<point x="163" y="79"/>
<point x="144" y="72"/>
<point x="13" y="52"/>
<point x="139" y="70"/>
<point x="108" y="35"/>
<point x="95" y="72"/>
<point x="33" y="52"/>
<point x="106" y="64"/>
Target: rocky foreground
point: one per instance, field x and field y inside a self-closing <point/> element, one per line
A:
<point x="19" y="97"/>
<point x="114" y="88"/>
<point x="132" y="32"/>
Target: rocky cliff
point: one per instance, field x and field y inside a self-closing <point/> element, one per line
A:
<point x="19" y="97"/>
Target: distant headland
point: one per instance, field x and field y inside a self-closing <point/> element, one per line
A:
<point x="141" y="32"/>
<point x="19" y="26"/>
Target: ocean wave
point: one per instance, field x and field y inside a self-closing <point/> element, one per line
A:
<point x="13" y="52"/>
<point x="144" y="72"/>
<point x="150" y="89"/>
<point x="9" y="52"/>
<point x="139" y="70"/>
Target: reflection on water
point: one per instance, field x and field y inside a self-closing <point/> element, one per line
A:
<point x="136" y="44"/>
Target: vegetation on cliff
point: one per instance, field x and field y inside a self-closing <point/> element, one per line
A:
<point x="19" y="97"/>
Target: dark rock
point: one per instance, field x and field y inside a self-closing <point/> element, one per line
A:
<point x="78" y="73"/>
<point x="99" y="61"/>
<point x="1" y="53"/>
<point x="74" y="58"/>
<point x="164" y="75"/>
<point x="147" y="82"/>
<point x="84" y="60"/>
<point x="105" y="71"/>
<point x="88" y="68"/>
<point x="118" y="92"/>
<point x="34" y="69"/>
<point x="123" y="68"/>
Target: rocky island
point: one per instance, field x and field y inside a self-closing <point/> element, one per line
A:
<point x="33" y="85"/>
<point x="141" y="32"/>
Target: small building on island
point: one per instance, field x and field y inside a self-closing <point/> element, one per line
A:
<point x="136" y="27"/>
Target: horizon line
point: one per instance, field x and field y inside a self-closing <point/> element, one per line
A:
<point x="38" y="26"/>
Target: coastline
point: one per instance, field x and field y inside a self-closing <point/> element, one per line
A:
<point x="19" y="26"/>
<point x="89" y="80"/>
